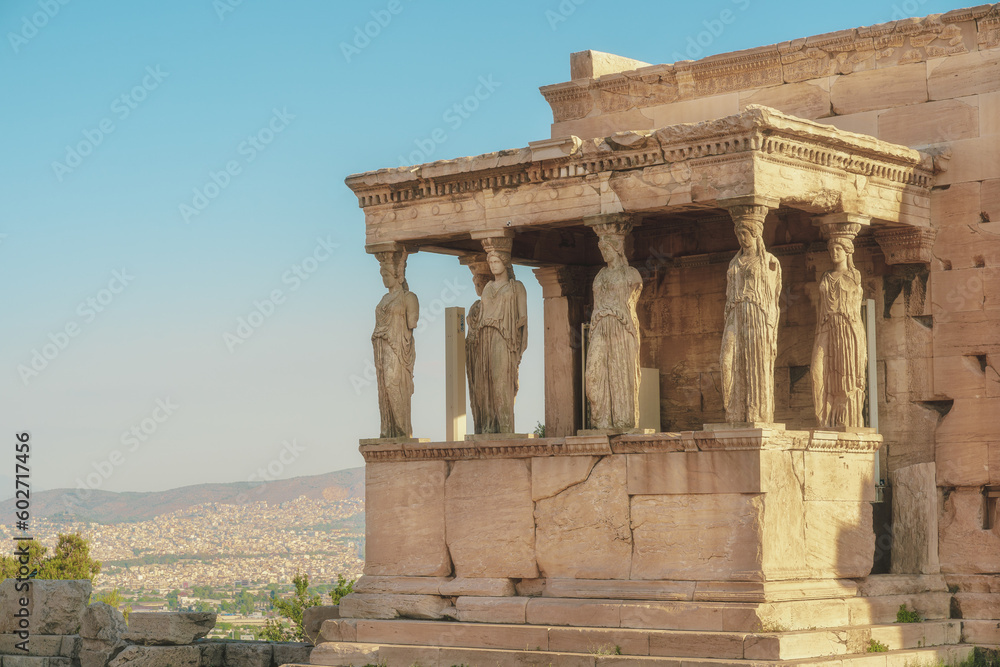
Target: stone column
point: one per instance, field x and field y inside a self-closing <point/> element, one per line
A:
<point x="612" y="372"/>
<point x="750" y="334"/>
<point x="840" y="353"/>
<point x="392" y="342"/>
<point x="563" y="290"/>
<point x="474" y="372"/>
<point x="503" y="338"/>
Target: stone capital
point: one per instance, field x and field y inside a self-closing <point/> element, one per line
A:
<point x="751" y="208"/>
<point x="561" y="281"/>
<point x="906" y="245"/>
<point x="841" y="225"/>
<point x="611" y="223"/>
<point x="495" y="240"/>
<point x="480" y="234"/>
<point x="389" y="246"/>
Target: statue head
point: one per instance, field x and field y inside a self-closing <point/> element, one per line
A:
<point x="498" y="256"/>
<point x="749" y="231"/>
<point x="841" y="250"/>
<point x="611" y="239"/>
<point x="392" y="268"/>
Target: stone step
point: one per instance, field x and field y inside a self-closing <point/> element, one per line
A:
<point x="981" y="633"/>
<point x="395" y="655"/>
<point x="644" y="614"/>
<point x="647" y="642"/>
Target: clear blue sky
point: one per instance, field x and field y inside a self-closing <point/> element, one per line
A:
<point x="155" y="97"/>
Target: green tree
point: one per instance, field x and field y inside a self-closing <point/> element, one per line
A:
<point x="274" y="629"/>
<point x="343" y="587"/>
<point x="70" y="560"/>
<point x="10" y="566"/>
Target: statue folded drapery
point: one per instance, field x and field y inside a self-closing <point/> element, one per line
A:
<point x="612" y="373"/>
<point x="840" y="354"/>
<point x="395" y="318"/>
<point x="502" y="332"/>
<point x="750" y="336"/>
<point x="474" y="366"/>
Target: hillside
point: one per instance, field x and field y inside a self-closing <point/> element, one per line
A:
<point x="108" y="507"/>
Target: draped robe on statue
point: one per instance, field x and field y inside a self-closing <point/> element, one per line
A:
<point x="474" y="369"/>
<point x="750" y="337"/>
<point x="840" y="355"/>
<point x="394" y="358"/>
<point x="613" y="350"/>
<point x="498" y="355"/>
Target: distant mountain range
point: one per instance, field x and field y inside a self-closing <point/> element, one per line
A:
<point x="109" y="507"/>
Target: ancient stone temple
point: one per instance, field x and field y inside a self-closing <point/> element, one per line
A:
<point x="803" y="239"/>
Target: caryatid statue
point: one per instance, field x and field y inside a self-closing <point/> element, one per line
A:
<point x="750" y="335"/>
<point x="840" y="354"/>
<point x="474" y="369"/>
<point x="395" y="319"/>
<point x="612" y="373"/>
<point x="502" y="336"/>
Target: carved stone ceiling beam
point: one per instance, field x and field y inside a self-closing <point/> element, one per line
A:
<point x="759" y="152"/>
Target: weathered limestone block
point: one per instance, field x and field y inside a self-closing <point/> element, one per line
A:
<point x="964" y="545"/>
<point x="478" y="586"/>
<point x="583" y="532"/>
<point x="213" y="653"/>
<point x="553" y="474"/>
<point x="839" y="538"/>
<point x="168" y="628"/>
<point x="101" y="629"/>
<point x="975" y="583"/>
<point x="102" y="622"/>
<point x="782" y="475"/>
<point x="384" y="605"/>
<point x="915" y="520"/>
<point x="839" y="476"/>
<point x="247" y="654"/>
<point x="976" y="605"/>
<point x="972" y="159"/>
<point x="55" y="606"/>
<point x="712" y="537"/>
<point x="930" y="123"/>
<point x="314" y="617"/>
<point x="399" y="585"/>
<point x="963" y="463"/>
<point x="808" y="99"/>
<point x="491" y="610"/>
<point x="285" y="654"/>
<point x="670" y="473"/>
<point x="965" y="74"/>
<point x="879" y="89"/>
<point x="494" y="537"/>
<point x="43" y="645"/>
<point x="158" y="656"/>
<point x="37" y="661"/>
<point x="338" y="630"/>
<point x="337" y="653"/>
<point x="405" y="526"/>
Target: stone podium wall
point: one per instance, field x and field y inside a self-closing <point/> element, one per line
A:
<point x="716" y="508"/>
